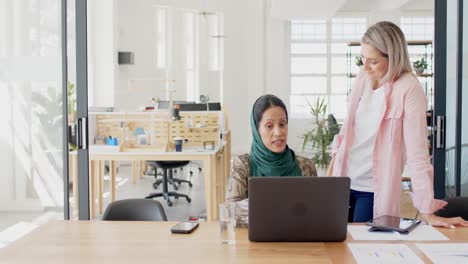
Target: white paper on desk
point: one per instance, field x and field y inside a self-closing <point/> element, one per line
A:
<point x="420" y="233"/>
<point x="445" y="253"/>
<point x="243" y="204"/>
<point x="242" y="212"/>
<point x="383" y="253"/>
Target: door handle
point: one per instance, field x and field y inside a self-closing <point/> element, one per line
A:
<point x="82" y="133"/>
<point x="440" y="132"/>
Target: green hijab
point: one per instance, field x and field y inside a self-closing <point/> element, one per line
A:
<point x="264" y="162"/>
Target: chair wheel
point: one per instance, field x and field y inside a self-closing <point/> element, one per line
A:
<point x="188" y="200"/>
<point x="199" y="169"/>
<point x="176" y="187"/>
<point x="155" y="185"/>
<point x="190" y="184"/>
<point x="169" y="203"/>
<point x="191" y="173"/>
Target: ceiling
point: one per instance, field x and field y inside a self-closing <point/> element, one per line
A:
<point x="303" y="9"/>
<point x="404" y="5"/>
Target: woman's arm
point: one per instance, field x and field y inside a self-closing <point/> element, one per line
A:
<point x="330" y="167"/>
<point x="418" y="160"/>
<point x="358" y="85"/>
<point x="307" y="166"/>
<point x="236" y="188"/>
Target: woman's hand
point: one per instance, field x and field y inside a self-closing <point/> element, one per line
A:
<point x="330" y="168"/>
<point x="451" y="222"/>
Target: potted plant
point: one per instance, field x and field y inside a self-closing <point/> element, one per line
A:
<point x="319" y="136"/>
<point x="358" y="61"/>
<point x="71" y="95"/>
<point x="420" y="65"/>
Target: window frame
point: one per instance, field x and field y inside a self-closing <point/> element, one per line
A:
<point x="329" y="41"/>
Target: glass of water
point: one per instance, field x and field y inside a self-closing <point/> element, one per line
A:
<point x="227" y="223"/>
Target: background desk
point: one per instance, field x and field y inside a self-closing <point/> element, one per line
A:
<point x="216" y="166"/>
<point x="151" y="242"/>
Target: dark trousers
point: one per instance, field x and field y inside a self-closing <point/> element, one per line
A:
<point x="361" y="206"/>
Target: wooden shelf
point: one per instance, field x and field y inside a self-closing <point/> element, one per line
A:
<point x="424" y="74"/>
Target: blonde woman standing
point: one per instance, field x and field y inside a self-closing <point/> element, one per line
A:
<point x="386" y="128"/>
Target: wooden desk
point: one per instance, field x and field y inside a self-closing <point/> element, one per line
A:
<point x="216" y="166"/>
<point x="151" y="242"/>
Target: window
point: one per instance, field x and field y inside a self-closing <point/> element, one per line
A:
<point x="318" y="62"/>
<point x="191" y="60"/>
<point x="308" y="30"/>
<point x="214" y="39"/>
<point x="161" y="37"/>
<point x="418" y="27"/>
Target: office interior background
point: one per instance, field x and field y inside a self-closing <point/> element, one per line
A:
<point x="231" y="50"/>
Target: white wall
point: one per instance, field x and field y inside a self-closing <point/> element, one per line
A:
<point x="135" y="30"/>
<point x="238" y="64"/>
<point x="135" y="27"/>
<point x="102" y="55"/>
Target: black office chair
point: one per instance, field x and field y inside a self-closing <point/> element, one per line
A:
<point x="457" y="206"/>
<point x="134" y="210"/>
<point x="333" y="126"/>
<point x="170" y="178"/>
<point x="167" y="167"/>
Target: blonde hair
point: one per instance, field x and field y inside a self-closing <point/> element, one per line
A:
<point x="390" y="41"/>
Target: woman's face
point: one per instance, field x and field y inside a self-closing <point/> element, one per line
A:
<point x="273" y="129"/>
<point x="375" y="64"/>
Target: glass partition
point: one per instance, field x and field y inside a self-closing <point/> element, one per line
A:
<point x="31" y="134"/>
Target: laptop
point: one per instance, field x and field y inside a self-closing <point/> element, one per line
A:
<point x="298" y="209"/>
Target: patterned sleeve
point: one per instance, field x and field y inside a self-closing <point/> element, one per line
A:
<point x="236" y="189"/>
<point x="307" y="166"/>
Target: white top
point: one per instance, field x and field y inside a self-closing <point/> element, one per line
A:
<point x="359" y="164"/>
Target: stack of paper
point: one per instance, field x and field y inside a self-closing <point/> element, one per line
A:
<point x="383" y="253"/>
<point x="445" y="253"/>
<point x="420" y="233"/>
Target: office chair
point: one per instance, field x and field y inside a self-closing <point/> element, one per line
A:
<point x="134" y="210"/>
<point x="170" y="179"/>
<point x="333" y="126"/>
<point x="457" y="206"/>
<point x="167" y="167"/>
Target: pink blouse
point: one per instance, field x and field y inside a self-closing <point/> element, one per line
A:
<point x="401" y="137"/>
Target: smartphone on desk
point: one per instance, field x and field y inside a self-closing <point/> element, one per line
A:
<point x="184" y="228"/>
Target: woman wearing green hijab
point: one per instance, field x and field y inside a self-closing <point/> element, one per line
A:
<point x="269" y="153"/>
